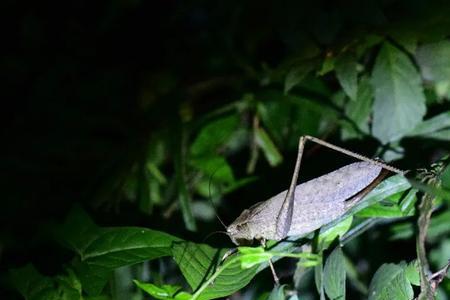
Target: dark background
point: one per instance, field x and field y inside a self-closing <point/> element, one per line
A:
<point x="86" y="83"/>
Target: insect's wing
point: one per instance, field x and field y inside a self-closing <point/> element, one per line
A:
<point x="355" y="199"/>
<point x="323" y="199"/>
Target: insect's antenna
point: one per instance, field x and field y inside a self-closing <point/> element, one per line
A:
<point x="213" y="233"/>
<point x="210" y="201"/>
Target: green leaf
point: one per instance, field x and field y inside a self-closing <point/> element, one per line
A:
<point x="216" y="167"/>
<point x="318" y="280"/>
<point x="353" y="276"/>
<point x="106" y="249"/>
<point x="270" y="151"/>
<point x="117" y="247"/>
<point x="184" y="197"/>
<point x="287" y="116"/>
<point x="406" y="37"/>
<point x="407" y="204"/>
<point x="327" y="236"/>
<point x="445" y="178"/>
<point x="438" y="228"/>
<point x="443" y="135"/>
<point x="441" y="90"/>
<point x="252" y="256"/>
<point x="156" y="173"/>
<point x="69" y="285"/>
<point x="296" y="74"/>
<point x="199" y="263"/>
<point x="379" y="210"/>
<point x="166" y="291"/>
<point x="428" y="127"/>
<point x="277" y="293"/>
<point x="439" y="255"/>
<point x="399" y="100"/>
<point x="347" y="73"/>
<point x="78" y="231"/>
<point x="31" y="284"/>
<point x="143" y="190"/>
<point x="412" y="273"/>
<point x="334" y="275"/>
<point x="390" y="282"/>
<point x="327" y="65"/>
<point x="214" y="135"/>
<point x="433" y="61"/>
<point x="34" y="286"/>
<point x="359" y="111"/>
<point x="430" y="189"/>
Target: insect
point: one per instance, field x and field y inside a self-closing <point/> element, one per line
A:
<point x="306" y="207"/>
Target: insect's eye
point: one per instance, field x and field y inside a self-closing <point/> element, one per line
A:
<point x="240" y="226"/>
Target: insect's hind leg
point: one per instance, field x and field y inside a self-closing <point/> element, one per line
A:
<point x="351" y="153"/>
<point x="284" y="217"/>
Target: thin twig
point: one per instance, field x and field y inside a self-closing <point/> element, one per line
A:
<point x="425" y="208"/>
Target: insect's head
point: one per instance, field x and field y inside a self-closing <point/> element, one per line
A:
<point x="239" y="231"/>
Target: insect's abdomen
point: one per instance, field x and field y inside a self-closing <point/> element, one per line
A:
<point x="321" y="200"/>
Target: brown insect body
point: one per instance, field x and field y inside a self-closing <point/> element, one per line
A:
<point x="316" y="203"/>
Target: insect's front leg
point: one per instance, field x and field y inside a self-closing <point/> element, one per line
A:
<point x="272" y="268"/>
<point x="227" y="254"/>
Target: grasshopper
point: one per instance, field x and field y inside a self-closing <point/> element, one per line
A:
<point x="306" y="207"/>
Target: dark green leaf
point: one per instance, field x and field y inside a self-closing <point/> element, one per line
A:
<point x="390" y="282"/>
<point x="428" y="127"/>
<point x="445" y="178"/>
<point x="407" y="204"/>
<point x="34" y="286"/>
<point x="433" y="61"/>
<point x="70" y="285"/>
<point x="347" y="73"/>
<point x="143" y="190"/>
<point x="270" y="151"/>
<point x="287" y="116"/>
<point x="334" y="275"/>
<point x="199" y="262"/>
<point x="443" y="135"/>
<point x="431" y="189"/>
<point x="359" y="111"/>
<point x="439" y="256"/>
<point x="438" y="228"/>
<point x="353" y="276"/>
<point x="31" y="284"/>
<point x="327" y="236"/>
<point x="214" y="135"/>
<point x="327" y="65"/>
<point x="277" y="293"/>
<point x="379" y="210"/>
<point x="106" y="249"/>
<point x="184" y="197"/>
<point x="117" y="247"/>
<point x="318" y="280"/>
<point x="166" y="291"/>
<point x="412" y="273"/>
<point x="296" y="74"/>
<point x="399" y="101"/>
<point x="215" y="168"/>
<point x="252" y="256"/>
<point x="78" y="231"/>
<point x="406" y="37"/>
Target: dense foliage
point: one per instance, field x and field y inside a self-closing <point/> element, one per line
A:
<point x="135" y="123"/>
